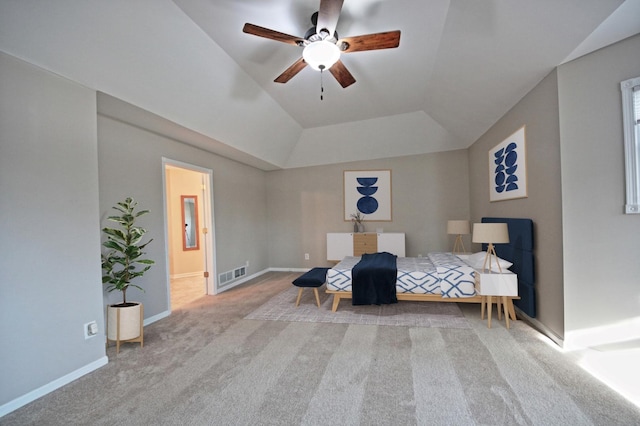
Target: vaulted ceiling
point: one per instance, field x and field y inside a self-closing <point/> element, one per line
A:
<point x="460" y="66"/>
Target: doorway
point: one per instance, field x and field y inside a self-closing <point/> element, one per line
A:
<point x="189" y="231"/>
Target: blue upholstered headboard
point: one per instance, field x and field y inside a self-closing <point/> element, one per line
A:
<point x="519" y="251"/>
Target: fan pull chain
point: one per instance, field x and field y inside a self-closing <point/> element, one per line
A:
<point x="321" y="83"/>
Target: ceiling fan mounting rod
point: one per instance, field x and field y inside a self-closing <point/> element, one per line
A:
<point x="312" y="35"/>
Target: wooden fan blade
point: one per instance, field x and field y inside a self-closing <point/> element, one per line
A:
<point x="342" y="74"/>
<point x="290" y="72"/>
<point x="328" y="15"/>
<point x="272" y="35"/>
<point x="386" y="40"/>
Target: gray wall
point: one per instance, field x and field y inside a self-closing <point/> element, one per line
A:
<point x="304" y="204"/>
<point x="130" y="164"/>
<point x="62" y="167"/>
<point x="586" y="249"/>
<point x="538" y="111"/>
<point x="601" y="244"/>
<point x="50" y="278"/>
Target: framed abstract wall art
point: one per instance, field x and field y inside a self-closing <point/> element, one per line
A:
<point x="367" y="192"/>
<point x="508" y="168"/>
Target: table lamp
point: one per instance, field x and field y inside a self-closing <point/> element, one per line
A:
<point x="490" y="233"/>
<point x="458" y="228"/>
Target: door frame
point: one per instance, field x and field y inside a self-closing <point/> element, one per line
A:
<point x="208" y="240"/>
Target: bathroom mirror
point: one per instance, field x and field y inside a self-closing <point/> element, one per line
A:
<point x="190" y="222"/>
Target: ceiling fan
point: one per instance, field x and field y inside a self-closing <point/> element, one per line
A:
<point x="322" y="47"/>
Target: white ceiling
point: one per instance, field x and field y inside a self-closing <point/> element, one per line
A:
<point x="460" y="66"/>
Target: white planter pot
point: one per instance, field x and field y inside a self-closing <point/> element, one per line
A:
<point x="125" y="323"/>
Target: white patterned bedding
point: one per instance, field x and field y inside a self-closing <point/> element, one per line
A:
<point x="438" y="273"/>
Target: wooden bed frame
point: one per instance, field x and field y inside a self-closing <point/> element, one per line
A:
<point x="339" y="295"/>
<point x="517" y="229"/>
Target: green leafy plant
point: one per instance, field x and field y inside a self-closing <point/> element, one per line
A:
<point x="123" y="262"/>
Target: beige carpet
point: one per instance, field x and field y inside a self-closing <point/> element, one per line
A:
<point x="206" y="365"/>
<point x="282" y="307"/>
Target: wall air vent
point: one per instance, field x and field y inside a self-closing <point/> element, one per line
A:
<point x="239" y="272"/>
<point x="225" y="277"/>
<point x="233" y="275"/>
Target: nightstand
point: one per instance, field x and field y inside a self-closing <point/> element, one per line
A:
<point x="501" y="287"/>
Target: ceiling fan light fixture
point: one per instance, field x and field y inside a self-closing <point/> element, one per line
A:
<point x="321" y="55"/>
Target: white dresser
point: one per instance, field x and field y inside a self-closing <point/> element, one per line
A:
<point x="340" y="245"/>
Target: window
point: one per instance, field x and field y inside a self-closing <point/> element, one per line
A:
<point x="631" y="120"/>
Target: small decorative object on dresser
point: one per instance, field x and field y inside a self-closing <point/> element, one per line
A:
<point x="357" y="219"/>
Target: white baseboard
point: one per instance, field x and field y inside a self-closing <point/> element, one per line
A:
<point x="540" y="327"/>
<point x="242" y="280"/>
<point x="50" y="387"/>
<point x="289" y="269"/>
<point x="155" y="318"/>
<point x="257" y="274"/>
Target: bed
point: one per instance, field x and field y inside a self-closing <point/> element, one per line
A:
<point x="438" y="276"/>
<point x="445" y="277"/>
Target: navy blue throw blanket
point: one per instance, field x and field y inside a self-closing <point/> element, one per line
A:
<point x="374" y="279"/>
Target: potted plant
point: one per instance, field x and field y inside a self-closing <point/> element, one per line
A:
<point x="120" y="265"/>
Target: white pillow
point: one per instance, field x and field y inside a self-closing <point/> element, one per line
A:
<point x="476" y="261"/>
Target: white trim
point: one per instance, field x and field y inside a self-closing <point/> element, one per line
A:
<point x="243" y="280"/>
<point x="540" y="327"/>
<point x="289" y="269"/>
<point x="210" y="252"/>
<point x="156" y="317"/>
<point x="631" y="154"/>
<point x="50" y="387"/>
<point x="208" y="222"/>
<point x="257" y="274"/>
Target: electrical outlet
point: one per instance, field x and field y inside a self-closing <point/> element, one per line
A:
<point x="306" y="256"/>
<point x="90" y="329"/>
